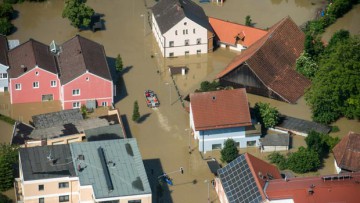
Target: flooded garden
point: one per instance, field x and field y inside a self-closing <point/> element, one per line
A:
<point x="163" y="134"/>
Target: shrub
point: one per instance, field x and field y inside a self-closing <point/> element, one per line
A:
<point x="278" y="159"/>
<point x="267" y="115"/>
<point x="136" y="113"/>
<point x="230" y="151"/>
<point x="304" y="160"/>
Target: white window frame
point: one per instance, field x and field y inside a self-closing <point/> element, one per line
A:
<point x="41" y="200"/>
<point x="187" y="42"/>
<point x="171" y="54"/>
<point x="171" y="43"/>
<point x="104" y="102"/>
<point x="187" y="53"/>
<point x="198" y="41"/>
<point x="198" y="51"/>
<point x="36" y="84"/>
<point x="76" y="105"/>
<point x="18" y="86"/>
<point x="63" y="185"/>
<point x="76" y="92"/>
<point x="2" y="76"/>
<point x="194" y="31"/>
<point x="65" y="199"/>
<point x="53" y="83"/>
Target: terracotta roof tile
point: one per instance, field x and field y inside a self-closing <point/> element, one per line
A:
<point x="347" y="152"/>
<point x="228" y="31"/>
<point x="262" y="171"/>
<point x="79" y="55"/>
<point x="30" y="54"/>
<point x="220" y="109"/>
<point x="338" y="190"/>
<point x="272" y="59"/>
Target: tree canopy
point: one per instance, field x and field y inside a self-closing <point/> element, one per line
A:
<point x="8" y="163"/>
<point x="304" y="160"/>
<point x="267" y="115"/>
<point x="335" y="89"/>
<point x="136" y="113"/>
<point x="306" y="65"/>
<point x="118" y="63"/>
<point x="229" y="151"/>
<point x="78" y="13"/>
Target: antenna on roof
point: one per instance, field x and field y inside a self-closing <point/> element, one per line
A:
<point x="54" y="48"/>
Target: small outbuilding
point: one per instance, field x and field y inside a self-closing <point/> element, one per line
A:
<point x="275" y="142"/>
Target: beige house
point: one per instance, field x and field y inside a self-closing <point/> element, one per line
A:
<point x="102" y="171"/>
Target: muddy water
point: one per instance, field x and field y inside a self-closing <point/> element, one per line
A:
<point x="162" y="133"/>
<point x="350" y="21"/>
<point x="265" y="13"/>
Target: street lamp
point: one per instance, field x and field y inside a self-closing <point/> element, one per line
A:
<point x="208" y="184"/>
<point x="169" y="89"/>
<point x="143" y="16"/>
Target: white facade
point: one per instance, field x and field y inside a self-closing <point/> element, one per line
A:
<point x="4" y="78"/>
<point x="238" y="47"/>
<point x="214" y="138"/>
<point x="338" y="169"/>
<point x="185" y="38"/>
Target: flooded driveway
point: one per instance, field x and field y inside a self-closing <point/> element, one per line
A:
<point x="163" y="133"/>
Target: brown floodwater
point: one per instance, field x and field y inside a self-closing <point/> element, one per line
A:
<point x="350" y="21"/>
<point x="162" y="134"/>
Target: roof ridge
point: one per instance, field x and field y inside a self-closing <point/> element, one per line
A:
<point x="238" y="23"/>
<point x="81" y="52"/>
<point x="248" y="158"/>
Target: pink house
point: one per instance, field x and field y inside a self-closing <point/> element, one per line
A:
<point x="84" y="74"/>
<point x="75" y="73"/>
<point x="32" y="74"/>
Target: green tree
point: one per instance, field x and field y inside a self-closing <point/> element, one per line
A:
<point x="317" y="142"/>
<point x="306" y="65"/>
<point x="5" y="199"/>
<point x="230" y="151"/>
<point x="118" y="63"/>
<point x="313" y="46"/>
<point x="5" y="26"/>
<point x="248" y="21"/>
<point x="304" y="160"/>
<point x="8" y="163"/>
<point x="338" y="36"/>
<point x="78" y="13"/>
<point x="136" y="113"/>
<point x="278" y="159"/>
<point x="335" y="89"/>
<point x="207" y="86"/>
<point x="267" y="115"/>
<point x="6" y="10"/>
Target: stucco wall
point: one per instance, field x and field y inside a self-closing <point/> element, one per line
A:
<point x="209" y="137"/>
<point x="274" y="148"/>
<point x="30" y="94"/>
<point x="91" y="87"/>
<point x="51" y="190"/>
<point x="4" y="82"/>
<point x="220" y="191"/>
<point x="186" y="25"/>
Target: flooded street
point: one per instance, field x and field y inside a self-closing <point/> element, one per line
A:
<point x="350" y="22"/>
<point x="163" y="133"/>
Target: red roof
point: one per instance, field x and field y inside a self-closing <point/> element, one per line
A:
<point x="347" y="152"/>
<point x="323" y="191"/>
<point x="227" y="32"/>
<point x="220" y="109"/>
<point x="273" y="58"/>
<point x="261" y="171"/>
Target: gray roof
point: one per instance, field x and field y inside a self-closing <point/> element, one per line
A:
<point x="85" y="55"/>
<point x="56" y="118"/>
<point x="76" y="127"/>
<point x="170" y="12"/>
<point x="276" y="140"/>
<point x="114" y="168"/>
<point x="104" y="133"/>
<point x="21" y="133"/>
<point x="295" y="124"/>
<point x="238" y="182"/>
<point x="36" y="164"/>
<point x="28" y="55"/>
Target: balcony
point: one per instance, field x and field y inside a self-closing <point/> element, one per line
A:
<point x="18" y="191"/>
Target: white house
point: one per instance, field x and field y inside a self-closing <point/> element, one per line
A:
<point x="219" y="115"/>
<point x="181" y="28"/>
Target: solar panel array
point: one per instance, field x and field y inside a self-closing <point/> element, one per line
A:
<point x="239" y="183"/>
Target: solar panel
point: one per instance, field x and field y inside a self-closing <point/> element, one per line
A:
<point x="238" y="182"/>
